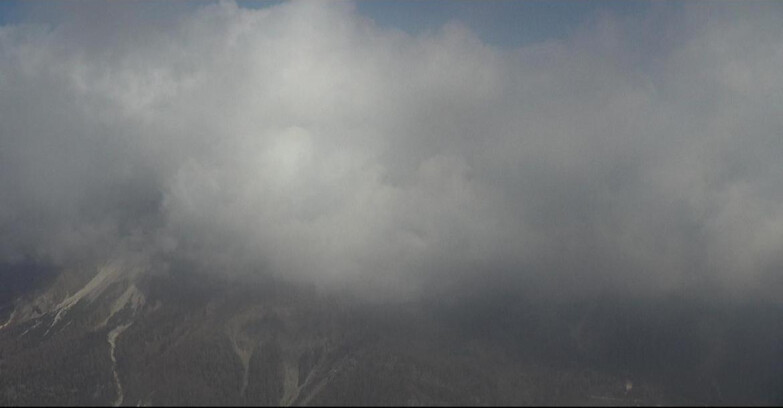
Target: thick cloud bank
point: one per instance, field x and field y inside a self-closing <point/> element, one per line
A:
<point x="643" y="154"/>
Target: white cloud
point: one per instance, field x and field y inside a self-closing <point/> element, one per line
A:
<point x="304" y="139"/>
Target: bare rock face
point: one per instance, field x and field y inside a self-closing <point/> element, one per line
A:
<point x="119" y="335"/>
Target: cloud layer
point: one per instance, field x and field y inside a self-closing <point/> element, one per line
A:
<point x="643" y="154"/>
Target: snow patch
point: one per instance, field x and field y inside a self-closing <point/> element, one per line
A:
<point x="38" y="323"/>
<point x="10" y="319"/>
<point x="290" y="383"/>
<point x="131" y="297"/>
<point x="107" y="275"/>
<point x="112" y="339"/>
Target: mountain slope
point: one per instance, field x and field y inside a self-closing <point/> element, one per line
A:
<point x="126" y="337"/>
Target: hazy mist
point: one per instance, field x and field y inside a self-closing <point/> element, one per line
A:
<point x="640" y="155"/>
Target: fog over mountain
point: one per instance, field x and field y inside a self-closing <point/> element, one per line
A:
<point x="641" y="154"/>
<point x="297" y="204"/>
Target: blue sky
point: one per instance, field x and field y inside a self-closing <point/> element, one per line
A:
<point x="496" y="22"/>
<point x="500" y="22"/>
<point x="8" y="12"/>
